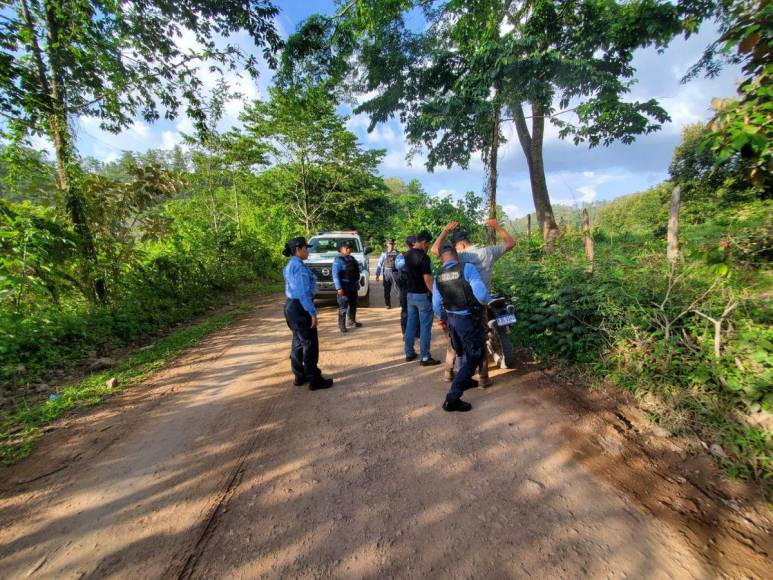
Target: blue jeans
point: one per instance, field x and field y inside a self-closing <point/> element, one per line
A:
<point x="419" y="322"/>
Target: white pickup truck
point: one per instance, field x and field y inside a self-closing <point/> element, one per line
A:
<point x="323" y="249"/>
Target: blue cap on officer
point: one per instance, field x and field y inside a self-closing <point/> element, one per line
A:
<point x="292" y="244"/>
<point x="445" y="248"/>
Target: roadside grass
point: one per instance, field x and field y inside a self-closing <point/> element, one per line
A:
<point x="607" y="326"/>
<point x="22" y="427"/>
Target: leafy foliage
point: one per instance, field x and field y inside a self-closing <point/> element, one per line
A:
<point x="694" y="343"/>
<point x="742" y="127"/>
<point x="320" y="169"/>
<point x="482" y="62"/>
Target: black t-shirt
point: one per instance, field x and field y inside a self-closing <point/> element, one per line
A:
<point x="417" y="264"/>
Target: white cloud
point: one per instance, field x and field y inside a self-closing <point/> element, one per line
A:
<point x="43" y="144"/>
<point x="513" y="211"/>
<point x="358" y="123"/>
<point x="588" y="193"/>
<point x="169" y="139"/>
<point x="446" y="194"/>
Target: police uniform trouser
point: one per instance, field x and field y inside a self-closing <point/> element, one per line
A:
<point x="347" y="303"/>
<point x="469" y="341"/>
<point x="389" y="280"/>
<point x="451" y="363"/>
<point x="304" y="353"/>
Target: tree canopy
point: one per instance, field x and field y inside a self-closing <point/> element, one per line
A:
<point x="478" y="64"/>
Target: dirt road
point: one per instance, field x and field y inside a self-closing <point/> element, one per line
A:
<point x="219" y="467"/>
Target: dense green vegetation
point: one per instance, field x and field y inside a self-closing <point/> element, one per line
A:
<point x="694" y="343"/>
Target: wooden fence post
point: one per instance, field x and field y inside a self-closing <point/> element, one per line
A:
<point x="588" y="238"/>
<point x="528" y="225"/>
<point x="672" y="248"/>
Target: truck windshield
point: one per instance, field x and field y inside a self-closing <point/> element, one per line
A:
<point x="326" y="245"/>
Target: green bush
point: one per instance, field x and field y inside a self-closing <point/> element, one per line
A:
<point x="164" y="281"/>
<point x="637" y="322"/>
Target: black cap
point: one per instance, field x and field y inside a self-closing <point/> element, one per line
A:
<point x="459" y="235"/>
<point x="345" y="244"/>
<point x="390" y="241"/>
<point x="292" y="244"/>
<point x="446" y="247"/>
<point x="424" y="236"/>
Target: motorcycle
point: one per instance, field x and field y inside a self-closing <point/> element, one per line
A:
<point x="500" y="316"/>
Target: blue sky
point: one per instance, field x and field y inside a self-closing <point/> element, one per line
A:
<point x="575" y="173"/>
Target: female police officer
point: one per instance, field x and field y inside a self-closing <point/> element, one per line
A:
<point x="301" y="316"/>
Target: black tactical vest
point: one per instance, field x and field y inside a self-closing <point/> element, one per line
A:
<point x="351" y="271"/>
<point x="455" y="289"/>
<point x="389" y="262"/>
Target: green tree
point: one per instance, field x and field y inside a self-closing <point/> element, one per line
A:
<point x="708" y="185"/>
<point x="26" y="175"/>
<point x="320" y="169"/>
<point x="743" y="126"/>
<point x="484" y="62"/>
<point x="63" y="59"/>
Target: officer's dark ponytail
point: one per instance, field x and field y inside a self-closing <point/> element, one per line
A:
<point x="287" y="251"/>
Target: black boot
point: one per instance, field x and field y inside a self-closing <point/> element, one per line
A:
<point x="456" y="405"/>
<point x="320" y="383"/>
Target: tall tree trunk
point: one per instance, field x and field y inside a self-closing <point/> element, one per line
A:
<point x="672" y="248"/>
<point x="587" y="238"/>
<point x="52" y="84"/>
<point x="236" y="211"/>
<point x="490" y="159"/>
<point x="531" y="143"/>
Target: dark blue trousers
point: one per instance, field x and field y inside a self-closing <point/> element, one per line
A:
<point x="304" y="353"/>
<point x="389" y="280"/>
<point x="469" y="342"/>
<point x="347" y="303"/>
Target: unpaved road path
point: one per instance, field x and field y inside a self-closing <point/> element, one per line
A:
<point x="220" y="468"/>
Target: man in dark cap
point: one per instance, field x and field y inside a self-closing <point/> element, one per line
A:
<point x="386" y="265"/>
<point x="458" y="297"/>
<point x="419" y="285"/>
<point x="346" y="277"/>
<point x="402" y="282"/>
<point x="483" y="258"/>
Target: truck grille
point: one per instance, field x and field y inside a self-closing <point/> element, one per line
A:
<point x="323" y="272"/>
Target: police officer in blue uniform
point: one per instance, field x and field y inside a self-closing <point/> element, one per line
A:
<point x="386" y="263"/>
<point x="457" y="298"/>
<point x="346" y="277"/>
<point x="301" y="317"/>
